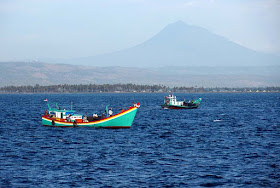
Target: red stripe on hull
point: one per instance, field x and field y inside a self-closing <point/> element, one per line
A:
<point x="108" y="127"/>
<point x="176" y="107"/>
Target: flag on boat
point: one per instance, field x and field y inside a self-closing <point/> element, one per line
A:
<point x="46" y="100"/>
<point x="137" y="105"/>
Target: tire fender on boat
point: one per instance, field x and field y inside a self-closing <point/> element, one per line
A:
<point x="53" y="123"/>
<point x="75" y="123"/>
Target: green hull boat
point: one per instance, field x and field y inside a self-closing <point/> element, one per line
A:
<point x="170" y="102"/>
<point x="67" y="118"/>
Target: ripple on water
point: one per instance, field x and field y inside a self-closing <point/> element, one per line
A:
<point x="231" y="140"/>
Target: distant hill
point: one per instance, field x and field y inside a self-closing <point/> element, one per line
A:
<point x="22" y="73"/>
<point x="180" y="44"/>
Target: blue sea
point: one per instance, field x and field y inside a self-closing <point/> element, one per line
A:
<point x="231" y="140"/>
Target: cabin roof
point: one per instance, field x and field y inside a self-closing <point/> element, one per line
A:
<point x="57" y="109"/>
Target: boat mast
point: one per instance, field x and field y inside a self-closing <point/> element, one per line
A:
<point x="107" y="113"/>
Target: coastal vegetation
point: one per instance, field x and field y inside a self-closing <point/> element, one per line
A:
<point x="125" y="88"/>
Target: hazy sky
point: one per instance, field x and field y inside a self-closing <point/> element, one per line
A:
<point x="31" y="29"/>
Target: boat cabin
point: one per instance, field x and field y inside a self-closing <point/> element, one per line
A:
<point x="171" y="100"/>
<point x="64" y="114"/>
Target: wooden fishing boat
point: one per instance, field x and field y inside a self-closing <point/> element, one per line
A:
<point x="55" y="117"/>
<point x="170" y="102"/>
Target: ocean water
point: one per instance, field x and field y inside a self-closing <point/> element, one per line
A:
<point x="231" y="140"/>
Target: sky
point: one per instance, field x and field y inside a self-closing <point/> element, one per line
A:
<point x="36" y="29"/>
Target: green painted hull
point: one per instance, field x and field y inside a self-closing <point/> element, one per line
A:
<point x="121" y="120"/>
<point x="178" y="107"/>
<point x="193" y="105"/>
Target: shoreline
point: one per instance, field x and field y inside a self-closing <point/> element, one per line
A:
<point x="229" y="92"/>
<point x="130" y="88"/>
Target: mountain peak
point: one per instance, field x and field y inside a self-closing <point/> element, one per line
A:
<point x="180" y="44"/>
<point x="178" y="25"/>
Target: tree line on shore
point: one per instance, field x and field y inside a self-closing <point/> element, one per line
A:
<point x="120" y="88"/>
<point x="83" y="88"/>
